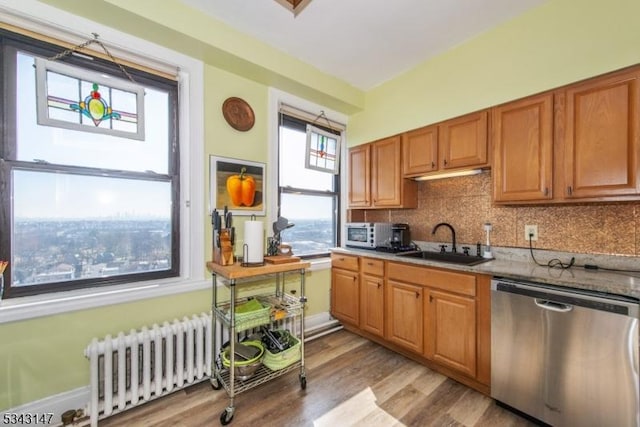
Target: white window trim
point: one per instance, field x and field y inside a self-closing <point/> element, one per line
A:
<point x="276" y="98"/>
<point x="45" y="19"/>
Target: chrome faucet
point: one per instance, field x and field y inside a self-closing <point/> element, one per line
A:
<point x="453" y="234"/>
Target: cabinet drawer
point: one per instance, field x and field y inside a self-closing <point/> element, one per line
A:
<point x="347" y="262"/>
<point x="451" y="281"/>
<point x="374" y="267"/>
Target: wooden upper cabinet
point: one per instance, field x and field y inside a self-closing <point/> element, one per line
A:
<point x="577" y="144"/>
<point x="386" y="176"/>
<point x="360" y="176"/>
<point x="375" y="176"/>
<point x="463" y="141"/>
<point x="420" y="151"/>
<point x="459" y="143"/>
<point x="522" y="136"/>
<point x="601" y="123"/>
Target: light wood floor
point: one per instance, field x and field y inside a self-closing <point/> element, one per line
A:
<point x="350" y="382"/>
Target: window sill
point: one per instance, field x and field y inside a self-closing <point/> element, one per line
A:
<point x="30" y="307"/>
<point x="320" y="263"/>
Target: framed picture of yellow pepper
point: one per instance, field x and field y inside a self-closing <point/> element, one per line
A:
<point x="237" y="184"/>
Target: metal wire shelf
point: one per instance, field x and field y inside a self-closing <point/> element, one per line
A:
<point x="282" y="306"/>
<point x="262" y="375"/>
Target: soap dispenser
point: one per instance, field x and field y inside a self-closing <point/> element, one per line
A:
<point x="487" y="249"/>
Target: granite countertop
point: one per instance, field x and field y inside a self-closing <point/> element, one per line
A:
<point x="516" y="263"/>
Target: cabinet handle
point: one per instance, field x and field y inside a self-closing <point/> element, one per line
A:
<point x="379" y="284"/>
<point x="430" y="298"/>
<point x="445" y="162"/>
<point x="417" y="294"/>
<point x="546" y="191"/>
<point x="370" y="264"/>
<point x="433" y="165"/>
<point x="569" y="190"/>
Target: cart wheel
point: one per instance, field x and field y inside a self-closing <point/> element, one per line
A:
<point x="303" y="382"/>
<point x="226" y="417"/>
<point x="215" y="384"/>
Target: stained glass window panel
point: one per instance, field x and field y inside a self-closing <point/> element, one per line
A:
<point x="73" y="98"/>
<point x="322" y="150"/>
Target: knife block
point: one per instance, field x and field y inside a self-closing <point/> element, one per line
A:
<point x="223" y="241"/>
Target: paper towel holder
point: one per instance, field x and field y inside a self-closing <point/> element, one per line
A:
<point x="245" y="254"/>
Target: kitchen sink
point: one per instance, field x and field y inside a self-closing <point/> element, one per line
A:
<point x="450" y="257"/>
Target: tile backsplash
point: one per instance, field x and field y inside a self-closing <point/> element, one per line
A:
<point x="465" y="203"/>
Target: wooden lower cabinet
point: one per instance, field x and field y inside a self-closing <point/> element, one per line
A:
<point x="450" y="330"/>
<point x="372" y="296"/>
<point x="438" y="317"/>
<point x="372" y="306"/>
<point x="404" y="315"/>
<point x="345" y="297"/>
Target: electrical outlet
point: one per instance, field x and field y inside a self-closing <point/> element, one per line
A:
<point x="530" y="229"/>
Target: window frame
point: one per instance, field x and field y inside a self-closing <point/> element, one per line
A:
<point x="11" y="44"/>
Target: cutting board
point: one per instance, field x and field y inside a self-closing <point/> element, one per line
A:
<point x="281" y="259"/>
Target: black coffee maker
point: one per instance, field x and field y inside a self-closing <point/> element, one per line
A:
<point x="400" y="236"/>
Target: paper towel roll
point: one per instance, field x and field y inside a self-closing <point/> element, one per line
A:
<point x="254" y="241"/>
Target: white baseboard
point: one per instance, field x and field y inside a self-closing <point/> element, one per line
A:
<point x="56" y="405"/>
<point x="318" y="320"/>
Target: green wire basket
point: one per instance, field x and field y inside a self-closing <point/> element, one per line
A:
<point x="282" y="359"/>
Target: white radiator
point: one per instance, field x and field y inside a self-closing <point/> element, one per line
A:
<point x="127" y="370"/>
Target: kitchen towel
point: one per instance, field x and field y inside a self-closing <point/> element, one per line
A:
<point x="253" y="241"/>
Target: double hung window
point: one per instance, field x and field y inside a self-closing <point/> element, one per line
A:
<point x="308" y="198"/>
<point x="82" y="208"/>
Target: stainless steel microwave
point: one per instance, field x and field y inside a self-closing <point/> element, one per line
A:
<point x="368" y="235"/>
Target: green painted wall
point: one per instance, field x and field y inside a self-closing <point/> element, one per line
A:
<point x="557" y="43"/>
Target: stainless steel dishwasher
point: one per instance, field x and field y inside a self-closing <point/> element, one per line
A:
<point x="564" y="356"/>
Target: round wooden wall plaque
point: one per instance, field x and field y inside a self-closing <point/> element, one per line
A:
<point x="238" y="114"/>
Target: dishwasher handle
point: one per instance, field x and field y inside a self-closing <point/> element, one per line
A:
<point x="553" y="306"/>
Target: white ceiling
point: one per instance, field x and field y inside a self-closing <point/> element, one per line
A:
<point x="365" y="42"/>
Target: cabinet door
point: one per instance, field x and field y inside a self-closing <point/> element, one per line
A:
<point x="420" y="151"/>
<point x="372" y="306"/>
<point x="450" y="331"/>
<point x="463" y="141"/>
<point x="601" y="138"/>
<point x="360" y="176"/>
<point x="386" y="173"/>
<point x="345" y="296"/>
<point x="523" y="150"/>
<point x="404" y="315"/>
